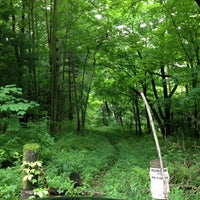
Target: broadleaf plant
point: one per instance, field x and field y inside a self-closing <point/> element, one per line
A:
<point x="12" y="103"/>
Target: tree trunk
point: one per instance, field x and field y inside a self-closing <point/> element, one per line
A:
<point x="167" y="119"/>
<point x="77" y="102"/>
<point x="54" y="69"/>
<point x="19" y="50"/>
<point x="105" y="113"/>
<point x="138" y="116"/>
<point x="32" y="62"/>
<point x="158" y="115"/>
<point x="135" y="118"/>
<point x="144" y="86"/>
<point x="195" y="82"/>
<point x="70" y="89"/>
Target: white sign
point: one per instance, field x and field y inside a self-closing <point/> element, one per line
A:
<point x="157" y="183"/>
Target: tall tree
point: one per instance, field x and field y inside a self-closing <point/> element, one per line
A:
<point x="54" y="66"/>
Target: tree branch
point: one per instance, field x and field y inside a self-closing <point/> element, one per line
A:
<point x="173" y="90"/>
<point x="198" y="2"/>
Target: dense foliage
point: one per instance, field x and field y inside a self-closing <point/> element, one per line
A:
<point x="111" y="163"/>
<point x="73" y="66"/>
<point x="83" y="61"/>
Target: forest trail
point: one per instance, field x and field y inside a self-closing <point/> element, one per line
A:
<point x="98" y="179"/>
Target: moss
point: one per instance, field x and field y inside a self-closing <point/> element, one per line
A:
<point x="31" y="147"/>
<point x="31" y="152"/>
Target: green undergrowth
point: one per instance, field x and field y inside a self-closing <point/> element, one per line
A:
<point x="10" y="186"/>
<point x="131" y="169"/>
<point x="183" y="158"/>
<point x="112" y="163"/>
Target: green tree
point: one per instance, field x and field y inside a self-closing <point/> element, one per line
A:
<point x="63" y="53"/>
<point x="148" y="55"/>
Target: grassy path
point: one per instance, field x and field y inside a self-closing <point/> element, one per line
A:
<point x="112" y="162"/>
<point x="98" y="179"/>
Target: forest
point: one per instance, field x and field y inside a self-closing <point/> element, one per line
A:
<point x="71" y="77"/>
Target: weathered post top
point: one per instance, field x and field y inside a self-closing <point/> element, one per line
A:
<point x="31" y="152"/>
<point x="30" y="155"/>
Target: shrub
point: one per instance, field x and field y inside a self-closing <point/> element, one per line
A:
<point x="10" y="183"/>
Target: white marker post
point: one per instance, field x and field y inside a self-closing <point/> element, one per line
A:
<point x="159" y="187"/>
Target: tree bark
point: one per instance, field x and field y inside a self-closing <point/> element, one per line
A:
<point x="54" y="69"/>
<point x="70" y="88"/>
<point x="167" y="119"/>
<point x="32" y="63"/>
<point x="137" y="110"/>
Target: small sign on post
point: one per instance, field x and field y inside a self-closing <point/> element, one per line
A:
<point x="159" y="187"/>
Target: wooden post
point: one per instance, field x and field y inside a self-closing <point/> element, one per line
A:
<point x="30" y="155"/>
<point x="159" y="187"/>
